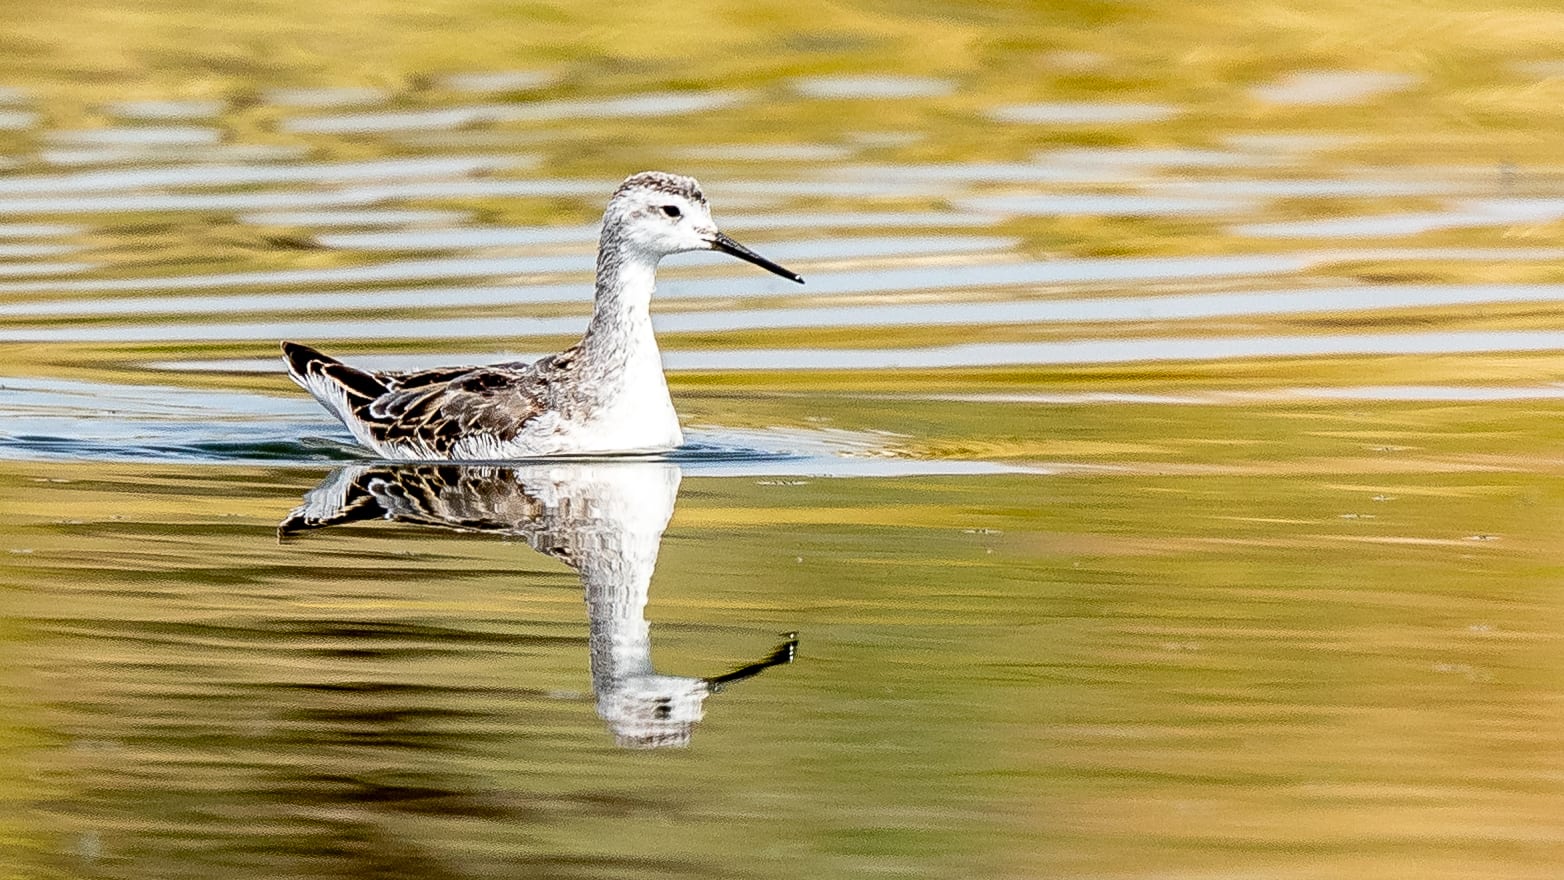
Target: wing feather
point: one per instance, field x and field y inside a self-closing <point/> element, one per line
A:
<point x="435" y="413"/>
<point x="431" y="412"/>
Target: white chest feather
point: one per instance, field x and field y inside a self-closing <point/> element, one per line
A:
<point x="621" y="406"/>
<point x="640" y="418"/>
<point x="624" y="406"/>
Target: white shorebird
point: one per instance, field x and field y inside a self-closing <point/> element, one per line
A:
<point x="605" y="394"/>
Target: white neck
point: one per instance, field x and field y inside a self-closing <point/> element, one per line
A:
<point x="621" y="324"/>
<point x="620" y="398"/>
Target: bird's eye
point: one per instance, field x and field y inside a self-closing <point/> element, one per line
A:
<point x="671" y="211"/>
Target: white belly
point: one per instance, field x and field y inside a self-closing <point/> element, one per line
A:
<point x="636" y="423"/>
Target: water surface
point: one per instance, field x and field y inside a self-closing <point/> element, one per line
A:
<point x="1157" y="477"/>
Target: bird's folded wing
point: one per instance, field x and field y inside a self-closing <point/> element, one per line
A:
<point x="434" y="410"/>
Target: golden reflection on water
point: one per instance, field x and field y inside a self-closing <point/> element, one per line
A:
<point x="1210" y="615"/>
<point x="1099" y="675"/>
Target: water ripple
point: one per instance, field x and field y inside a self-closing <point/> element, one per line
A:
<point x="652" y="104"/>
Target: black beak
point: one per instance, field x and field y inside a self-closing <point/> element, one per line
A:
<point x="721" y="242"/>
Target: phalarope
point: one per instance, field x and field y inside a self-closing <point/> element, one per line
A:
<point x="605" y="394"/>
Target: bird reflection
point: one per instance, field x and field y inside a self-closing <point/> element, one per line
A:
<point x="603" y="519"/>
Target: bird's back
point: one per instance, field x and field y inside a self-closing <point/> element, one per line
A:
<point x="446" y="413"/>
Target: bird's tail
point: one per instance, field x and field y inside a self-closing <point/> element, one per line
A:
<point x="339" y="387"/>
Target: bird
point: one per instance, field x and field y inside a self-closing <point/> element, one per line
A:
<point x="604" y="395"/>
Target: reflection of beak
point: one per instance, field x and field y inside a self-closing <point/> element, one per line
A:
<point x="721" y="242"/>
<point x="781" y="655"/>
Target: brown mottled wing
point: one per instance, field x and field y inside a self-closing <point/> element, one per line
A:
<point x="433" y="410"/>
<point x="435" y="417"/>
<point x="429" y="412"/>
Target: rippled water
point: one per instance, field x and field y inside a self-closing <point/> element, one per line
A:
<point x="1158" y="476"/>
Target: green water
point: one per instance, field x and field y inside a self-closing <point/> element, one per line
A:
<point x="1160" y="470"/>
<point x="1124" y="675"/>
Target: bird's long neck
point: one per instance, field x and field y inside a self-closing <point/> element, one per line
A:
<point x="621" y="326"/>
